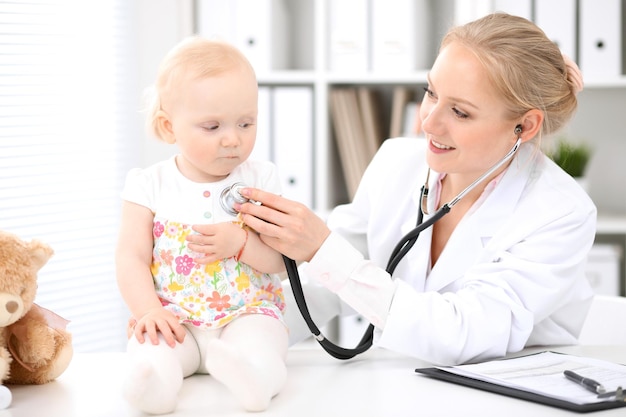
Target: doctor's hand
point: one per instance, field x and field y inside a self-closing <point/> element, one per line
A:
<point x="285" y="225"/>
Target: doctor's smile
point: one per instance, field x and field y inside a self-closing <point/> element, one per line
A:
<point x="436" y="146"/>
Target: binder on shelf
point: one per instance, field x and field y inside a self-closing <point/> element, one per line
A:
<point x="257" y="27"/>
<point x="369" y="107"/>
<point x="467" y="10"/>
<point x="364" y="135"/>
<point x="400" y="97"/>
<point x="400" y="35"/>
<point x="356" y="147"/>
<point x="216" y="19"/>
<point x="261" y="33"/>
<point x="412" y="124"/>
<point x="292" y="124"/>
<point x="561" y="31"/>
<point x="343" y="120"/>
<point x="601" y="38"/>
<point x="602" y="269"/>
<point x="348" y="33"/>
<point x="522" y="8"/>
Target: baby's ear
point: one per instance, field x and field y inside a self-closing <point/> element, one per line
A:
<point x="163" y="127"/>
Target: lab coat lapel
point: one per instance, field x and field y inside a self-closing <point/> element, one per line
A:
<point x="461" y="250"/>
<point x="467" y="243"/>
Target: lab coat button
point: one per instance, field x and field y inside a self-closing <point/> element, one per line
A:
<point x="325" y="277"/>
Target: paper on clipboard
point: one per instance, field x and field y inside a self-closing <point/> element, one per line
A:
<point x="542" y="373"/>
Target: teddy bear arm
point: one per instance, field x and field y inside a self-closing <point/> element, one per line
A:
<point x="45" y="371"/>
<point x="39" y="370"/>
<point x="40" y="352"/>
<point x="32" y="340"/>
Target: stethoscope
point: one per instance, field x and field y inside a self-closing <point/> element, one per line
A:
<point x="231" y="194"/>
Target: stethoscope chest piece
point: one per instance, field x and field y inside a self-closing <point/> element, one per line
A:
<point x="231" y="195"/>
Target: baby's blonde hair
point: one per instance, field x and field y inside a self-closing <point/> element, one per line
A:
<point x="193" y="58"/>
<point x="524" y="65"/>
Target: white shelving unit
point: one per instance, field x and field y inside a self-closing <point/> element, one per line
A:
<point x="604" y="132"/>
<point x="596" y="121"/>
<point x="599" y="120"/>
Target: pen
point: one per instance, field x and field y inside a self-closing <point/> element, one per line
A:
<point x="588" y="383"/>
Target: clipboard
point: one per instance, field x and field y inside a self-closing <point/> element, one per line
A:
<point x="518" y="393"/>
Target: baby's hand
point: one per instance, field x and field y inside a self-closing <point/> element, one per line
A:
<point x="154" y="321"/>
<point x="216" y="241"/>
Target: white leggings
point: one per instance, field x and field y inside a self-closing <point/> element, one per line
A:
<point x="254" y="346"/>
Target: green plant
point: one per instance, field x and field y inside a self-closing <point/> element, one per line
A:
<point x="571" y="157"/>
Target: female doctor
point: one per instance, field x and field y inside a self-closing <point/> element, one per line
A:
<point x="505" y="268"/>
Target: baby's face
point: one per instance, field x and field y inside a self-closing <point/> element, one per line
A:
<point x="214" y="124"/>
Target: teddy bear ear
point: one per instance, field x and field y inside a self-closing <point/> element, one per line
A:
<point x="40" y="253"/>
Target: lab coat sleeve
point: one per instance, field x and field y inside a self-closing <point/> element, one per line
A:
<point x="341" y="268"/>
<point x="425" y="325"/>
<point x="531" y="287"/>
<point x="452" y="328"/>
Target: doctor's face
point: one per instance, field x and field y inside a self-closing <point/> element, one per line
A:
<point x="463" y="117"/>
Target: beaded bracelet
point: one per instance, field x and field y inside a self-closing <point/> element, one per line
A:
<point x="238" y="256"/>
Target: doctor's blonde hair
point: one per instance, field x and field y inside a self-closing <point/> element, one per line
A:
<point x="524" y="65"/>
<point x="192" y="59"/>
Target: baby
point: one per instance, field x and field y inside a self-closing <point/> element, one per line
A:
<point x="211" y="304"/>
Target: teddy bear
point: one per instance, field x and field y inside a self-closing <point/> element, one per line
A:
<point x="35" y="347"/>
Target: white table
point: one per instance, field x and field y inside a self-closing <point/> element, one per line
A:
<point x="377" y="383"/>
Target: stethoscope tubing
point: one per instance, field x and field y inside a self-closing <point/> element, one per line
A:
<point x="406" y="243"/>
<point x="330" y="347"/>
<point x="401" y="249"/>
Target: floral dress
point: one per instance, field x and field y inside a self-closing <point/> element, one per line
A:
<point x="210" y="295"/>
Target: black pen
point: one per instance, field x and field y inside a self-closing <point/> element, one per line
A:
<point x="588" y="383"/>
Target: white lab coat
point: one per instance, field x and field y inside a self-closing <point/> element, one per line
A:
<point x="511" y="275"/>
